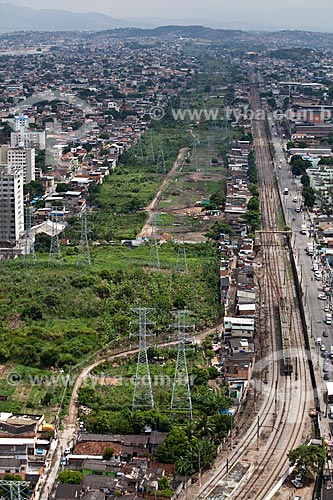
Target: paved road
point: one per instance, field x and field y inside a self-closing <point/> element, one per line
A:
<point x="314" y="307"/>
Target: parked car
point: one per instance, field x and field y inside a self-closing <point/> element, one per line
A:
<point x="325" y="334"/>
<point x="296" y="483"/>
<point x="326" y="376"/>
<point x="322" y="296"/>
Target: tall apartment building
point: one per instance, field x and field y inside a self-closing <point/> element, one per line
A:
<point x="21" y="158"/>
<point x="11" y="205"/>
<point x="28" y="139"/>
<point x="20" y="121"/>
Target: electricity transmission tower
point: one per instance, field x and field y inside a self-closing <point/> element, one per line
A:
<point x="150" y="160"/>
<point x="143" y="393"/>
<point x="29" y="255"/>
<point x="83" y="256"/>
<point x="154" y="260"/>
<point x="15" y="490"/>
<point x="181" y="262"/>
<point x="181" y="401"/>
<point x="194" y="153"/>
<point x="139" y="147"/>
<point x="160" y="164"/>
<point x="55" y="257"/>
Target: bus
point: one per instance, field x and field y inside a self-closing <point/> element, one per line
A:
<point x="329" y="388"/>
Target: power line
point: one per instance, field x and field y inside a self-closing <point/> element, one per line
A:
<point x="160" y="164"/>
<point x="181" y="401"/>
<point x="29" y="256"/>
<point x="55" y="257"/>
<point x="143" y="393"/>
<point x="15" y="490"/>
<point x="154" y="260"/>
<point x="181" y="262"/>
<point x="83" y="256"/>
<point x="150" y="159"/>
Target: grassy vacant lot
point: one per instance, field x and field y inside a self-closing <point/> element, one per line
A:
<point x="53" y="318"/>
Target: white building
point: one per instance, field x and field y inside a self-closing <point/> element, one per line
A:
<point x="11" y="205"/>
<point x="21" y="158"/>
<point x="20" y="121"/>
<point x="28" y="139"/>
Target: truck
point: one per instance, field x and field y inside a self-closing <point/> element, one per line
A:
<point x="285" y="191"/>
<point x="329" y="392"/>
<point x="303" y="229"/>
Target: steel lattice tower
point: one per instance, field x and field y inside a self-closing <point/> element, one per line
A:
<point x="194" y="152"/>
<point x="150" y="160"/>
<point x="15" y="490"/>
<point x="154" y="260"/>
<point x="139" y="147"/>
<point x="29" y="255"/>
<point x="181" y="262"/>
<point x="160" y="164"/>
<point x="181" y="401"/>
<point x="83" y="256"/>
<point x="143" y="392"/>
<point x="55" y="257"/>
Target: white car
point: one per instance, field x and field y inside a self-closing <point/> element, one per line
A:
<point x="322" y="296"/>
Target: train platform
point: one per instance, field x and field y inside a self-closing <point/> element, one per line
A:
<point x="231" y="482"/>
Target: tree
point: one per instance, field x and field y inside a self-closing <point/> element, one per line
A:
<point x="108" y="453"/>
<point x="310" y="457"/>
<point x="62" y="187"/>
<point x="326" y="200"/>
<point x="309" y="196"/>
<point x="253" y="218"/>
<point x="163" y="483"/>
<point x="253" y="203"/>
<point x="305" y="180"/>
<point x="70" y="477"/>
<point x="218" y="228"/>
<point x="34" y="188"/>
<point x="174" y="446"/>
<point x="217" y="200"/>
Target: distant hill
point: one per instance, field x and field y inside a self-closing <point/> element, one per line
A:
<point x="17" y="18"/>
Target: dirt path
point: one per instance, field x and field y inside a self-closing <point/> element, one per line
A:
<point x="66" y="436"/>
<point x="150" y="209"/>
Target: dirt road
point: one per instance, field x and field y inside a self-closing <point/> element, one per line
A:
<point x="147" y="228"/>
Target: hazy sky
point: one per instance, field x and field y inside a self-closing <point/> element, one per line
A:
<point x="288" y="13"/>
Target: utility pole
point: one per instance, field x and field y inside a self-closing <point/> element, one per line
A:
<point x="154" y="260"/>
<point x="181" y="401"/>
<point x="83" y="256"/>
<point x="143" y="393"/>
<point x="55" y="257"/>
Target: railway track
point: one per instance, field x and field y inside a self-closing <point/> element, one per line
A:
<point x="279" y="424"/>
<point x="290" y="410"/>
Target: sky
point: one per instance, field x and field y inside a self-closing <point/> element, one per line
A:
<point x="280" y="13"/>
